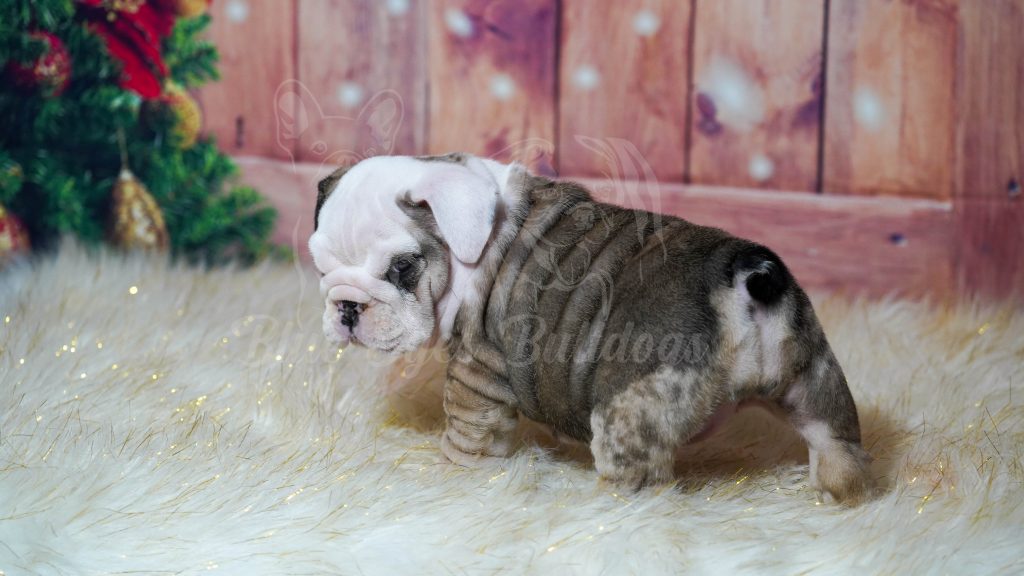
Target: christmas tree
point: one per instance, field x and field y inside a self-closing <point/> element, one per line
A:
<point x="100" y="136"/>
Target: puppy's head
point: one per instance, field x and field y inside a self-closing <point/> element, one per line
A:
<point x="389" y="232"/>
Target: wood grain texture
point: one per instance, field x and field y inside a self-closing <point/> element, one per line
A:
<point x="291" y="189"/>
<point x="758" y="93"/>
<point x="623" y="74"/>
<point x="256" y="56"/>
<point x="492" y="79"/>
<point x="889" y="126"/>
<point x="989" y="205"/>
<point x="362" y="67"/>
<point x="874" y="246"/>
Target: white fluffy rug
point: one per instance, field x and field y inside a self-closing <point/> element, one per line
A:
<point x="163" y="420"/>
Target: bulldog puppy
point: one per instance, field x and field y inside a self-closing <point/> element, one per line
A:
<point x="629" y="330"/>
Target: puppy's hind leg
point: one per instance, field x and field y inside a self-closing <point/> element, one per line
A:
<point x="814" y="394"/>
<point x="636" y="432"/>
<point x="480" y="416"/>
<point x="821" y="408"/>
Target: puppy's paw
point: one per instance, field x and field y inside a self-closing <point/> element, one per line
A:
<point x="843" y="474"/>
<point x="461" y="457"/>
<point x="636" y="477"/>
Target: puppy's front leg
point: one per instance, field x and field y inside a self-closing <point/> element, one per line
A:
<point x="480" y="414"/>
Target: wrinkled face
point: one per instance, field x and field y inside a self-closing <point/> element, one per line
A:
<point x="379" y="247"/>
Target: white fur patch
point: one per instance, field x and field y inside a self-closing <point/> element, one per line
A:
<point x="753" y="334"/>
<point x="361" y="228"/>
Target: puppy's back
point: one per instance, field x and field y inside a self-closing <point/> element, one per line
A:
<point x="591" y="296"/>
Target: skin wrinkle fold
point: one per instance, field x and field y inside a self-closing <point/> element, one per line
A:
<point x="561" y="266"/>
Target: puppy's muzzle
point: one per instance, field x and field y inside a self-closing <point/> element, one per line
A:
<point x="349" y="313"/>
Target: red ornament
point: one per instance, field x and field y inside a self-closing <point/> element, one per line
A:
<point x="13" y="236"/>
<point x="133" y="30"/>
<point x="51" y="70"/>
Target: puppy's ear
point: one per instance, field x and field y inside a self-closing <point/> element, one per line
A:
<point x="324" y="189"/>
<point x="464" y="205"/>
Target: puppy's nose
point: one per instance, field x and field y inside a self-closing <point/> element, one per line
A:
<point x="349" y="314"/>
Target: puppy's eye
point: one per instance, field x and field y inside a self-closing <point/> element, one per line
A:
<point x="400" y="273"/>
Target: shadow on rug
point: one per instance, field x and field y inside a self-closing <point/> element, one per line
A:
<point x="163" y="420"/>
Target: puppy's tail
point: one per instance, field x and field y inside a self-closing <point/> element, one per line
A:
<point x="766" y="277"/>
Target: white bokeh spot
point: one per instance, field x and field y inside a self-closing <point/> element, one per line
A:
<point x="397" y="7"/>
<point x="646" y="23"/>
<point x="739" y="100"/>
<point x="458" y="23"/>
<point x="502" y="87"/>
<point x="868" y="109"/>
<point x="237" y="10"/>
<point x="586" y="78"/>
<point x="761" y="167"/>
<point x="350" y="94"/>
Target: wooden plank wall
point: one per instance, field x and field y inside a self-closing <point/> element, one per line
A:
<point x="771" y="118"/>
<point x="240" y="109"/>
<point x="757" y="107"/>
<point x="353" y="103"/>
<point x="623" y="76"/>
<point x="492" y="79"/>
<point x="890" y="100"/>
<point x="989" y="206"/>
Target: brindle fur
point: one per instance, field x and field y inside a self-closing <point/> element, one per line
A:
<point x="573" y="292"/>
<point x="579" y="272"/>
<point x="324" y="189"/>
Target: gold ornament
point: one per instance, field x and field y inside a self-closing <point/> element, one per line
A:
<point x="188" y="120"/>
<point x="187" y="8"/>
<point x="136" y="220"/>
<point x="130" y="6"/>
